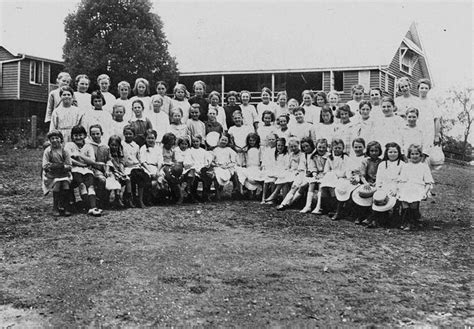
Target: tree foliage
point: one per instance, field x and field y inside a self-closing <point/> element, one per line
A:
<point x="119" y="37"/>
<point x="459" y="111"/>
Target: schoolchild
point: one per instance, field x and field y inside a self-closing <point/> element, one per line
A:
<point x="345" y="128"/>
<point x="325" y="128"/>
<point x="250" y="173"/>
<point x="282" y="129"/>
<point x="214" y="100"/>
<point x="199" y="88"/>
<point x="357" y="92"/>
<point x="98" y="115"/>
<point x="196" y="128"/>
<point x="212" y="124"/>
<point x="82" y="159"/>
<point x="231" y="107"/>
<point x="388" y="128"/>
<point x="375" y="95"/>
<point x="139" y="123"/>
<point x="292" y="105"/>
<point x="333" y="101"/>
<point x="102" y="156"/>
<point x="388" y="174"/>
<point x="57" y="173"/>
<point x="118" y="122"/>
<point x="415" y="183"/>
<point x="151" y="160"/>
<point x="312" y="113"/>
<point x="411" y="133"/>
<point x="180" y="100"/>
<point x="405" y="99"/>
<point x="224" y="163"/>
<point x="368" y="175"/>
<point x="284" y="182"/>
<point x="161" y="88"/>
<point x="116" y="169"/>
<point x="282" y="106"/>
<point x="54" y="98"/>
<point x="81" y="96"/>
<point x="248" y="111"/>
<point x="103" y="81"/>
<point x="238" y="134"/>
<point x="335" y="177"/>
<point x="274" y="162"/>
<point x="317" y="162"/>
<point x="159" y="118"/>
<point x="133" y="168"/>
<point x="124" y="91"/>
<point x="321" y="99"/>
<point x="266" y="127"/>
<point x="266" y="104"/>
<point x="197" y="165"/>
<point x="364" y="126"/>
<point x="65" y="115"/>
<point x="141" y="91"/>
<point x="300" y="128"/>
<point x="302" y="179"/>
<point x="177" y="127"/>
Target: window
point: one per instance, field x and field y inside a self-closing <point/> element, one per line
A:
<point x="364" y="80"/>
<point x="407" y="60"/>
<point x="338" y="80"/>
<point x="36" y="72"/>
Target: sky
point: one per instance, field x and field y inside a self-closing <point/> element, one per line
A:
<point x="195" y="27"/>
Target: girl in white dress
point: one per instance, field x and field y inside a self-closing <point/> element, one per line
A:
<point x="267" y="127"/>
<point x="300" y="128"/>
<point x="357" y="92"/>
<point x="214" y="100"/>
<point x="415" y="183"/>
<point x="312" y="113"/>
<point x="282" y="129"/>
<point x="406" y="99"/>
<point x="124" y="90"/>
<point x="266" y="104"/>
<point x="224" y="163"/>
<point x="411" y="133"/>
<point x="364" y="125"/>
<point x="282" y="106"/>
<point x="250" y="175"/>
<point x="54" y="99"/>
<point x="345" y="128"/>
<point x="161" y="88"/>
<point x="316" y="165"/>
<point x="151" y="160"/>
<point x="249" y="113"/>
<point x="238" y="134"/>
<point x="82" y="97"/>
<point x="141" y="90"/>
<point x="324" y="129"/>
<point x="103" y="81"/>
<point x="274" y="162"/>
<point x="66" y="115"/>
<point x="301" y="181"/>
<point x="389" y="128"/>
<point x="287" y="177"/>
<point x="181" y="96"/>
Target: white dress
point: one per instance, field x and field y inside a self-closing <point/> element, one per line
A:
<point x="300" y="130"/>
<point x="389" y="129"/>
<point x="224" y="161"/>
<point x="151" y="159"/>
<point x="265" y="107"/>
<point x="412" y="181"/>
<point x="322" y="130"/>
<point x="184" y="105"/>
<point x="160" y="123"/>
<point x="64" y="118"/>
<point x="249" y="115"/>
<point x="428" y="112"/>
<point x="312" y="114"/>
<point x="239" y="135"/>
<point x="83" y="101"/>
<point x="265" y="131"/>
<point x="131" y="156"/>
<point x="127" y="104"/>
<point x="412" y="135"/>
<point x="86" y="151"/>
<point x="109" y="101"/>
<point x="251" y="175"/>
<point x="388" y="174"/>
<point x="101" y="117"/>
<point x="290" y="172"/>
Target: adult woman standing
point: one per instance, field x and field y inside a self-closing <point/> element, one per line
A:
<point x="429" y="115"/>
<point x="406" y="99"/>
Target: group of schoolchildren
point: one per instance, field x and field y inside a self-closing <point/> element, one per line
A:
<point x="364" y="159"/>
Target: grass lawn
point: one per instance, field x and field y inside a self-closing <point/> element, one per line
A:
<point x="233" y="263"/>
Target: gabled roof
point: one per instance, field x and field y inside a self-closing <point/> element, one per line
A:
<point x="319" y="37"/>
<point x="23" y="56"/>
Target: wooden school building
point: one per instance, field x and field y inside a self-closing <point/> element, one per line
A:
<point x="336" y="66"/>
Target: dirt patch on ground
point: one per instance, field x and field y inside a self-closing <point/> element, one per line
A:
<point x="232" y="263"/>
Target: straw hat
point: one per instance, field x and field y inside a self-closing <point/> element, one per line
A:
<point x="383" y="201"/>
<point x="212" y="138"/>
<point x="343" y="189"/>
<point x="362" y="196"/>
